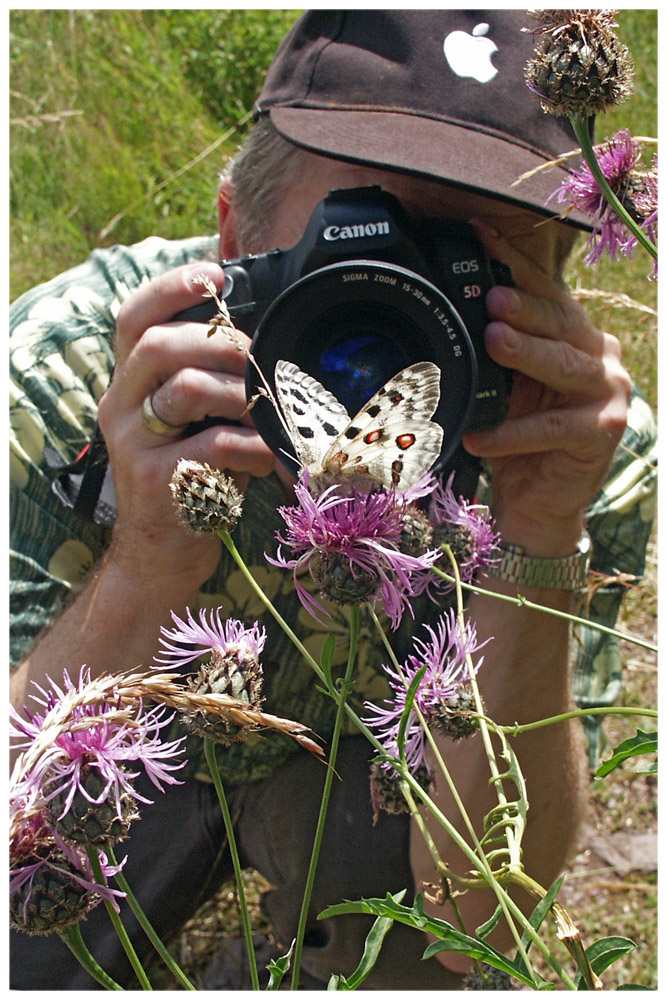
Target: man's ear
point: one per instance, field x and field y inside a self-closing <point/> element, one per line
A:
<point x="227" y="220"/>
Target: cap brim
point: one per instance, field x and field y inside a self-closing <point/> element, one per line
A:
<point x="430" y="148"/>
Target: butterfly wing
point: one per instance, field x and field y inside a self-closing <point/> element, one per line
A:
<point x="392" y="440"/>
<point x="315" y="419"/>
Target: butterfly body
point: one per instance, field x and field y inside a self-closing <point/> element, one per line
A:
<point x="392" y="441"/>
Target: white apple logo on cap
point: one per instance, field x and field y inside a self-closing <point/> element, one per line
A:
<point x="470" y="55"/>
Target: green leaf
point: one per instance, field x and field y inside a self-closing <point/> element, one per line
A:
<point x="449" y="938"/>
<point x="641" y="743"/>
<point x="409" y="700"/>
<point x="278" y="967"/>
<point x="536" y="919"/>
<point x="603" y="953"/>
<point x="372" y="947"/>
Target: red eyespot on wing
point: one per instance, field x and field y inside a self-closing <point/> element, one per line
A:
<point x="373" y="436"/>
<point x="405" y="441"/>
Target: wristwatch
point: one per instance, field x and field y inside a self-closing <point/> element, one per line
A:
<point x="563" y="573"/>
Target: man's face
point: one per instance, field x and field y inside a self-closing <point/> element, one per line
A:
<point x="526" y="231"/>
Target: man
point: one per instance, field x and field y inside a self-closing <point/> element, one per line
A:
<point x="353" y="98"/>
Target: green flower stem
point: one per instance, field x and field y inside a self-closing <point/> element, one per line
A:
<point x="523" y="602"/>
<point x="341" y="700"/>
<point x="401" y="769"/>
<point x="148" y="928"/>
<point x="495" y="883"/>
<point x="71" y="936"/>
<point x="119" y="927"/>
<point x="515" y="856"/>
<point x="209" y="750"/>
<point x="579" y="713"/>
<point x="238" y="559"/>
<point x="580" y="127"/>
<point x="476" y="855"/>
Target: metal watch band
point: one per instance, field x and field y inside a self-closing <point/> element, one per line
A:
<point x="564" y="573"/>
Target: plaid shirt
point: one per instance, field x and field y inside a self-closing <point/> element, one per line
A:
<point x="61" y="362"/>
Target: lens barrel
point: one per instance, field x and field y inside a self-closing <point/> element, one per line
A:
<point x="352" y="325"/>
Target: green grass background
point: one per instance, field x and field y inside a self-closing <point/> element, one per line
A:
<point x="109" y="107"/>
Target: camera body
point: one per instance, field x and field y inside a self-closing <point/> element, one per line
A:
<point x="366" y="292"/>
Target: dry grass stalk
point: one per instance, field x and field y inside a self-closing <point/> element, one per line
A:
<point x="124" y="694"/>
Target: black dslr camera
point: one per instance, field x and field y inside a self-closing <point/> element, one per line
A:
<point x="364" y="293"/>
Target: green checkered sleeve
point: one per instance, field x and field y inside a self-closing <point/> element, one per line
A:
<point x="619" y="522"/>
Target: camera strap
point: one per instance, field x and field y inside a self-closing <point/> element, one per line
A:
<point x="85" y="485"/>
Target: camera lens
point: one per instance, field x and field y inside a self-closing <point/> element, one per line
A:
<point x="354" y="324"/>
<point x="355" y="348"/>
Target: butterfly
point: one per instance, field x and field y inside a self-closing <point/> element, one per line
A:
<point x="391" y="442"/>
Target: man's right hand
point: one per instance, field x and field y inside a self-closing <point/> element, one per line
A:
<point x="188" y="376"/>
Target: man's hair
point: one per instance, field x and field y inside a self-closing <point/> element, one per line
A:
<point x="266" y="167"/>
<point x="262" y="171"/>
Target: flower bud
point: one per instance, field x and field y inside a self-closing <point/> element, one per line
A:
<point x="206" y="499"/>
<point x="51" y="900"/>
<point x="386" y="791"/>
<point x="237" y="673"/>
<point x="580" y="68"/>
<point x="87" y="820"/>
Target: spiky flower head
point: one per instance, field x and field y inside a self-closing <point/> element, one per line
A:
<point x="51" y="885"/>
<point x="386" y="794"/>
<point x="487" y="977"/>
<point x="352" y="546"/>
<point x="233" y="668"/>
<point x="206" y="499"/>
<point x="580" y="68"/>
<point x="79" y="774"/>
<point x="637" y="189"/>
<point x="443" y="697"/>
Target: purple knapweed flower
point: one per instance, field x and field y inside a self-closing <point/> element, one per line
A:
<point x="618" y="158"/>
<point x="466" y="527"/>
<point x="227" y="638"/>
<point x="352" y="547"/>
<point x="86" y="759"/>
<point x="50" y="881"/>
<point x="233" y="669"/>
<point x="443" y="695"/>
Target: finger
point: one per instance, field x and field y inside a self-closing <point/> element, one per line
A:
<point x="160" y="300"/>
<point x="227" y="447"/>
<point x="580" y="431"/>
<point x="554" y="363"/>
<point x="559" y="318"/>
<point x="193" y="394"/>
<point x="163" y="351"/>
<point x="526" y="273"/>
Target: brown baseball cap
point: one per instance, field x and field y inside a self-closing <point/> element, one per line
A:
<point x="435" y="93"/>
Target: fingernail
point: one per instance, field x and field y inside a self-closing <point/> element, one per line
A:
<point x="511" y="338"/>
<point x="207" y="269"/>
<point x="509" y="300"/>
